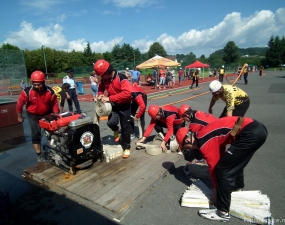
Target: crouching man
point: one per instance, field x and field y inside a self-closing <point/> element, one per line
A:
<point x="245" y="135"/>
<point x="163" y="117"/>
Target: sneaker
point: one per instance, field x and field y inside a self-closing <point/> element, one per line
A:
<point x="133" y="136"/>
<point x="116" y="136"/>
<point x="41" y="158"/>
<point x="179" y="153"/>
<point x="190" y="87"/>
<point x="126" y="153"/>
<point x="214" y="214"/>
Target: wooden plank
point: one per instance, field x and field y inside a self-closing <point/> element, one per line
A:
<point x="86" y="178"/>
<point x="105" y="177"/>
<point x="114" y="188"/>
<point x="119" y="180"/>
<point x="123" y="197"/>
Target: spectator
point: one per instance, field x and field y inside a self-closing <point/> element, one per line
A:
<point x="173" y="77"/>
<point x="180" y="76"/>
<point x="128" y="74"/>
<point x="168" y="77"/>
<point x="94" y="85"/>
<point x="72" y="91"/>
<point x="119" y="95"/>
<point x="195" y="78"/>
<point x="155" y="77"/>
<point x="162" y="78"/>
<point x="261" y="70"/>
<point x="245" y="73"/>
<point x="40" y="100"/>
<point x="23" y="85"/>
<point x="222" y="73"/>
<point x="62" y="94"/>
<point x="135" y="75"/>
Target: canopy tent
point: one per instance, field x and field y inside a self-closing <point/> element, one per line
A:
<point x="156" y="62"/>
<point x="197" y="64"/>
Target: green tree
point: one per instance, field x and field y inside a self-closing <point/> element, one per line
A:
<point x="9" y="47"/>
<point x="87" y="51"/>
<point x="215" y="60"/>
<point x="189" y="59"/>
<point x="231" y="53"/>
<point x="156" y="49"/>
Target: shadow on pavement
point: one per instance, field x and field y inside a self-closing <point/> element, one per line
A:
<point x="41" y="206"/>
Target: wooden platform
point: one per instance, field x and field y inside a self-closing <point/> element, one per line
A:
<point x="111" y="189"/>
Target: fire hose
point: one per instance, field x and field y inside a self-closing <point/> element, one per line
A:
<point x="154" y="147"/>
<point x="101" y="109"/>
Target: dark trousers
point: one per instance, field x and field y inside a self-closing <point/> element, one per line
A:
<point x="230" y="167"/>
<point x="134" y="108"/>
<point x="33" y="121"/>
<point x="239" y="110"/>
<point x="121" y="113"/>
<point x="73" y="97"/>
<point x="159" y="127"/>
<point x="194" y="80"/>
<point x="245" y="78"/>
<point x="221" y="78"/>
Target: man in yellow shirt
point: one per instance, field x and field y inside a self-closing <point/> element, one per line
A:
<point x="237" y="101"/>
<point x="62" y="94"/>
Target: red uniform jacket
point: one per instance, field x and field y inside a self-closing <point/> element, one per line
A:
<point x="200" y="119"/>
<point x="213" y="138"/>
<point x="119" y="88"/>
<point x="169" y="117"/>
<point x="36" y="103"/>
<point x="137" y="95"/>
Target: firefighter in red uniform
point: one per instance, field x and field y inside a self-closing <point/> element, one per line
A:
<point x="197" y="119"/>
<point x="163" y="117"/>
<point x="119" y="95"/>
<point x="245" y="135"/>
<point x="139" y="101"/>
<point x="40" y="100"/>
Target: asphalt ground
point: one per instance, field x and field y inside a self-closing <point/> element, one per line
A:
<point x="32" y="204"/>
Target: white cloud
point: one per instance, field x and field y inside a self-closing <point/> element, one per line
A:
<point x="252" y="31"/>
<point x="132" y="3"/>
<point x="30" y="38"/>
<point x="40" y="5"/>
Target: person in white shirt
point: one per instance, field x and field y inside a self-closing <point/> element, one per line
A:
<point x="94" y="85"/>
<point x="72" y="91"/>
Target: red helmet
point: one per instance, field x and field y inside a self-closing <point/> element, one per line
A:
<point x="101" y="66"/>
<point x="38" y="76"/>
<point x="180" y="135"/>
<point x="183" y="109"/>
<point x="153" y="110"/>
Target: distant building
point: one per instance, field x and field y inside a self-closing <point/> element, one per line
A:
<point x="172" y="57"/>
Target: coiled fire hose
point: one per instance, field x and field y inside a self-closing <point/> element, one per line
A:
<point x="101" y="109"/>
<point x="153" y="148"/>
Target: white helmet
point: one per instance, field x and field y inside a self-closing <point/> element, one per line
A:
<point x="222" y="66"/>
<point x="215" y="86"/>
<point x="246" y="65"/>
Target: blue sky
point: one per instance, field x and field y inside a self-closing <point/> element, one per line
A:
<point x="181" y="26"/>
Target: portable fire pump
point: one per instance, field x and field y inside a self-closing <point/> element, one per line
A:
<point x="74" y="141"/>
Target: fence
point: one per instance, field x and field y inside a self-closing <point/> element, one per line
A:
<point x="12" y="69"/>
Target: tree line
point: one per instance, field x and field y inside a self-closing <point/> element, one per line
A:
<point x="122" y="56"/>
